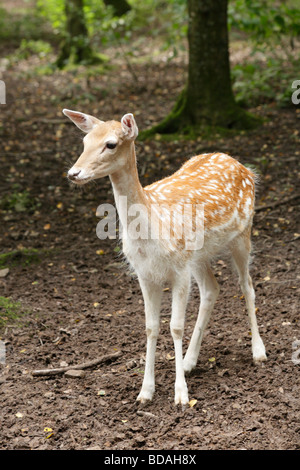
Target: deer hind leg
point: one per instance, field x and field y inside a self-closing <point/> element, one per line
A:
<point x="152" y="294"/>
<point x="240" y="249"/>
<point x="209" y="290"/>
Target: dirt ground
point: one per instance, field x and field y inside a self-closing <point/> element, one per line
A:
<point x="79" y="302"/>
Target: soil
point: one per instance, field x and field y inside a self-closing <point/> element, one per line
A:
<point x="80" y="303"/>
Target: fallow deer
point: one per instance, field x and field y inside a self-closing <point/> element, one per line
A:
<point x="218" y="183"/>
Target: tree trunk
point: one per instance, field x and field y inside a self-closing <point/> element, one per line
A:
<point x="76" y="47"/>
<point x="120" y="7"/>
<point x="207" y="100"/>
<point x="209" y="94"/>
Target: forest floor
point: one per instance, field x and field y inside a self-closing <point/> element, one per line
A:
<point x="74" y="301"/>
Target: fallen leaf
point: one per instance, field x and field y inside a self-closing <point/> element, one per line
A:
<point x="47" y="227"/>
<point x="192" y="403"/>
<point x="170" y="357"/>
<point x="212" y="359"/>
<point x="100" y="252"/>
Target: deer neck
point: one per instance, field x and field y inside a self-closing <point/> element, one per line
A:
<point x="127" y="188"/>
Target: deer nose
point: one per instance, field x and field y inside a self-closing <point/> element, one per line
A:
<point x="73" y="173"/>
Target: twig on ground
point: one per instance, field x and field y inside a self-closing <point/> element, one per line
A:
<point x="146" y="413"/>
<point x="84" y="365"/>
<point x="277" y="203"/>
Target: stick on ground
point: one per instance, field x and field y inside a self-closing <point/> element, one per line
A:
<point x="277" y="203"/>
<point x="84" y="365"/>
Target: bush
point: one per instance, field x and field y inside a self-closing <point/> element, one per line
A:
<point x="30" y="47"/>
<point x="257" y="83"/>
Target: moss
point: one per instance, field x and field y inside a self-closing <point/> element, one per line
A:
<point x="168" y="130"/>
<point x="9" y="310"/>
<point x="24" y="257"/>
<point x="72" y="55"/>
<point x="181" y="122"/>
<point x="19" y="202"/>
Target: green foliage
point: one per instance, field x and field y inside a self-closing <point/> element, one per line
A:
<point x="14" y="27"/>
<point x="268" y="72"/>
<point x="95" y="13"/>
<point x="175" y="26"/>
<point x="270" y="27"/>
<point x="254" y="83"/>
<point x="29" y="47"/>
<point x="22" y="257"/>
<point x="9" y="310"/>
<point x="266" y="21"/>
<point x="19" y="201"/>
<point x="167" y="20"/>
<point x="54" y="12"/>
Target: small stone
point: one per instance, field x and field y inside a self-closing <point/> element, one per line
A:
<point x="4" y="272"/>
<point x="236" y="406"/>
<point x="140" y="440"/>
<point x="131" y="364"/>
<point x="75" y="374"/>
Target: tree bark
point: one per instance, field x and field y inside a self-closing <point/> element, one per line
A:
<point x="76" y="47"/>
<point x="209" y="93"/>
<point x="207" y="100"/>
<point x="120" y="7"/>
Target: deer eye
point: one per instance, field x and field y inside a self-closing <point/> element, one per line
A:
<point x="111" y="145"/>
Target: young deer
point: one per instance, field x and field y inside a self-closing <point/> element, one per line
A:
<point x="222" y="186"/>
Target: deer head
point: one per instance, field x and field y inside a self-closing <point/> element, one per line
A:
<point x="106" y="146"/>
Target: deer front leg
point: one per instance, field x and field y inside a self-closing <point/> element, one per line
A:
<point x="179" y="303"/>
<point x="152" y="298"/>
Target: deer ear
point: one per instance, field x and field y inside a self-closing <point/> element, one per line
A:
<point x="85" y="122"/>
<point x="129" y="126"/>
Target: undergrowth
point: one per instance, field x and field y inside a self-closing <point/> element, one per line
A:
<point x="9" y="310"/>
